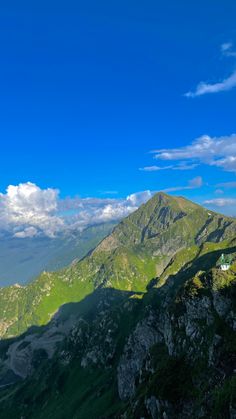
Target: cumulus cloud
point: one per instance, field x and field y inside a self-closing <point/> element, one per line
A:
<point x="138" y="198"/>
<point x="214" y="151"/>
<point x="87" y="211"/>
<point x="27" y="210"/>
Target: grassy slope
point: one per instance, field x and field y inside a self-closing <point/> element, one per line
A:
<point x="36" y="303"/>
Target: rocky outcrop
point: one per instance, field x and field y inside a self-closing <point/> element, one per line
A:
<point x="135" y="353"/>
<point x="190" y="330"/>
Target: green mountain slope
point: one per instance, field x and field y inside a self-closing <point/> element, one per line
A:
<point x="137" y="251"/>
<point x="144" y="326"/>
<point x="166" y="223"/>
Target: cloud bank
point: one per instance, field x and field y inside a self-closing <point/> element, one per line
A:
<point x="26" y="210"/>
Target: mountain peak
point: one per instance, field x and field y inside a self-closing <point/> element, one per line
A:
<point x="164" y="198"/>
<point x="167" y="223"/>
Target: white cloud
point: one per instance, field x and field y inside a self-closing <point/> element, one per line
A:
<point x="221" y="202"/>
<point x="214" y="151"/>
<point x="138" y="198"/>
<point x="154" y="168"/>
<point x="180" y="166"/>
<point x="228" y="163"/>
<point x="95" y="210"/>
<point x="28" y="211"/>
<point x="222" y="86"/>
<point x="227" y="205"/>
<point x="27" y="232"/>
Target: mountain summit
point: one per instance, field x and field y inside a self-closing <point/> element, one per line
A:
<point x="165" y="224"/>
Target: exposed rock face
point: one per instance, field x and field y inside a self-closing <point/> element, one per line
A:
<point x="21" y="354"/>
<point x="153" y="407"/>
<point x="221" y="304"/>
<point x="190" y="332"/>
<point x="135" y="353"/>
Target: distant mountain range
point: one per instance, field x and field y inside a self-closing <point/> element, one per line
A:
<point x="143" y="326"/>
<point x="22" y="259"/>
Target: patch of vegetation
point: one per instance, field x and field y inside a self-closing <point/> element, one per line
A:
<point x="223" y="398"/>
<point x="172" y="380"/>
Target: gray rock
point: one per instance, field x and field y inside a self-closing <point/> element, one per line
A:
<point x="135" y="353"/>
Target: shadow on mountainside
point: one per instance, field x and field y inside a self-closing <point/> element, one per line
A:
<point x="104" y="313"/>
<point x="100" y="301"/>
<point x="188" y="271"/>
<point x="199" y="263"/>
<point x="97" y="305"/>
<point x="55" y="354"/>
<point x="43" y="341"/>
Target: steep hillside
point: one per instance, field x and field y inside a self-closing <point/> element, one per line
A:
<point x="137" y="251"/>
<point x="168" y="353"/>
<point x="165" y="224"/>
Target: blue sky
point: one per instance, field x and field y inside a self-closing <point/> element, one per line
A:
<point x="89" y="88"/>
